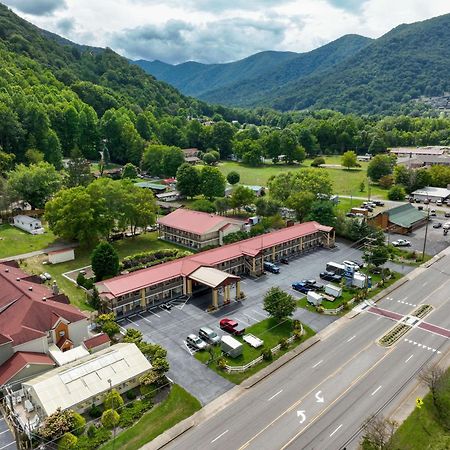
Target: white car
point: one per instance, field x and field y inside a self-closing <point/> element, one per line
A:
<point x="351" y="264"/>
<point x="194" y="341"/>
<point x="401" y="243"/>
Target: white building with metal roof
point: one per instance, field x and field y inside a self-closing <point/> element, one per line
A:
<point x="79" y="384"/>
<point x="433" y="194"/>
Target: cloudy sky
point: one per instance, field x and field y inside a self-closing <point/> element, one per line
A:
<point x="212" y="31"/>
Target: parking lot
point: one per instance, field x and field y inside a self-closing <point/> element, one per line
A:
<point x="170" y="328"/>
<point x="7" y="441"/>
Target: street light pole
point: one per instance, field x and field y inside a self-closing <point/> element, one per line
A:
<point x="426" y="234"/>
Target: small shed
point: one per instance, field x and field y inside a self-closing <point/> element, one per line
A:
<point x="314" y="298"/>
<point x="29" y="224"/>
<point x="231" y="346"/>
<point x="60" y="256"/>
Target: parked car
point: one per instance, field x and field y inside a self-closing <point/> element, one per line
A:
<point x="438" y="203"/>
<point x="401" y="243"/>
<point x="379" y="202"/>
<point x="437" y="225"/>
<point x="284" y="261"/>
<point x="314" y="285"/>
<point x="447" y="214"/>
<point x="353" y="264"/>
<point x="330" y="276"/>
<point x="209" y="335"/>
<point x="271" y="267"/>
<point x="231" y="326"/>
<point x="433" y="213"/>
<point x="302" y="287"/>
<point x="47" y="276"/>
<point x="426" y="201"/>
<point x="194" y="341"/>
<point x="350" y="214"/>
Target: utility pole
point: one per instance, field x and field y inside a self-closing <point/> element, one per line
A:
<point x="426" y="234"/>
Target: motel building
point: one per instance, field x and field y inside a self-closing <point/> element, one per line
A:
<point x="215" y="271"/>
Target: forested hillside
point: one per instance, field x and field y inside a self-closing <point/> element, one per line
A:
<point x="251" y="77"/>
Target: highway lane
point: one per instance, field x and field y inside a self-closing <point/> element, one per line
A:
<point x="345" y="365"/>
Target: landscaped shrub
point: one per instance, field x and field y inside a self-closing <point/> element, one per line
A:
<point x="87" y="283"/>
<point x="78" y="424"/>
<point x="284" y="344"/>
<point x="318" y="160"/>
<point x="131" y="395"/>
<point x="95" y="412"/>
<point x="91" y="431"/>
<point x="67" y="442"/>
<point x="93" y="439"/>
<point x="222" y="363"/>
<point x="267" y="354"/>
<point x="110" y="418"/>
<point x="153" y="258"/>
<point x="134" y="411"/>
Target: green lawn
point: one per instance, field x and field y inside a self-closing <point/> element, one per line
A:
<point x="178" y="406"/>
<point x="125" y="247"/>
<point x="270" y="331"/>
<point x="421" y="430"/>
<point x="345" y="182"/>
<point x="15" y="242"/>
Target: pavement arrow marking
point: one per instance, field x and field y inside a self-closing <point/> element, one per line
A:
<point x="302" y="416"/>
<point x="319" y="397"/>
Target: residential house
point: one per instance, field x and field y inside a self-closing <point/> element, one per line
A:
<point x="29" y="224"/>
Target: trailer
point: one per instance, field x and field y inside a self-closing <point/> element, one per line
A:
<point x="333" y="290"/>
<point x="231" y="346"/>
<point x="314" y="298"/>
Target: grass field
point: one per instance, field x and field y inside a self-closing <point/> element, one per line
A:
<point x="178" y="406"/>
<point x="270" y="331"/>
<point x="15" y="242"/>
<point x="345" y="182"/>
<point x="125" y="247"/>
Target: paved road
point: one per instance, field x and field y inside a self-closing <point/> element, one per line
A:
<point x="348" y="369"/>
<point x="7" y="441"/>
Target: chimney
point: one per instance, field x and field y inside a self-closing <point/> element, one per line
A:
<point x="30" y="288"/>
<point x="44" y="299"/>
<point x="55" y="288"/>
<point x="6" y="270"/>
<point x="17" y="279"/>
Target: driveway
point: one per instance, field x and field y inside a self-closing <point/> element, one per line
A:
<point x="170" y="328"/>
<point x="7" y="441"/>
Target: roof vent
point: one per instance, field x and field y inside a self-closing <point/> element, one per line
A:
<point x="17" y="279"/>
<point x="44" y="299"/>
<point x="6" y="270"/>
<point x="30" y="288"/>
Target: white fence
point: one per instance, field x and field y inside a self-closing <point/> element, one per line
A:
<point x="274" y="350"/>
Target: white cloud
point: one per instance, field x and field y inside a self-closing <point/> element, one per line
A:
<point x="219" y="30"/>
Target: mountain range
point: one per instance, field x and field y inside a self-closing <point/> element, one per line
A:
<point x="351" y="74"/>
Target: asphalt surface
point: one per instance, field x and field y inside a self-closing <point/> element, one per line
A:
<point x="170" y="328"/>
<point x="348" y="370"/>
<point x="7" y="441"/>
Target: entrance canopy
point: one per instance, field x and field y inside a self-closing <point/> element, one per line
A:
<point x="213" y="277"/>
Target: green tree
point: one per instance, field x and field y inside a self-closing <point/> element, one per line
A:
<point x="105" y="261"/>
<point x="210" y="158"/>
<point x="396" y="193"/>
<point x="78" y="170"/>
<point x="52" y="150"/>
<point x="323" y="212"/>
<point x="67" y="442"/>
<point x="129" y="171"/>
<point x="110" y="419"/>
<point x="111" y="329"/>
<point x="233" y="177"/>
<point x="279" y="304"/>
<point x="290" y="148"/>
<point x="173" y="158"/>
<point x="379" y="166"/>
<point x="152" y="159"/>
<point x="188" y="180"/>
<point x="301" y="203"/>
<point x="222" y="205"/>
<point x="203" y="205"/>
<point x="34" y="184"/>
<point x="6" y="161"/>
<point x="212" y="182"/>
<point x="377" y="255"/>
<point x="349" y="159"/>
<point x="266" y="207"/>
<point x="222" y="138"/>
<point x="113" y="400"/>
<point x="242" y="196"/>
<point x="34" y="156"/>
<point x="270" y="144"/>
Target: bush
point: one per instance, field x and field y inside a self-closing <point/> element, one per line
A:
<point x="297" y="334"/>
<point x="94" y="411"/>
<point x="284" y="344"/>
<point x="267" y="354"/>
<point x="134" y="411"/>
<point x="397" y="193"/>
<point x="131" y="395"/>
<point x="318" y="160"/>
<point x="222" y="363"/>
<point x="386" y="182"/>
<point x="67" y="442"/>
<point x="113" y="400"/>
<point x="78" y="424"/>
<point x="149" y="259"/>
<point x="111" y="329"/>
<point x="87" y="283"/>
<point x="110" y="418"/>
<point x="203" y="205"/>
<point x="91" y="431"/>
<point x="98" y="437"/>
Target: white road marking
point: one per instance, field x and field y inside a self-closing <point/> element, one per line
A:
<point x="162" y="309"/>
<point x="144" y="318"/>
<point x="274" y="395"/>
<point x="250" y="317"/>
<point x="134" y="323"/>
<point x="3" y="432"/>
<point x="218" y="437"/>
<point x="403" y="299"/>
<point x="150" y="311"/>
<point x="7" y="445"/>
<point x="409" y="358"/>
<point x="351" y="339"/>
<point x="336" y="430"/>
<point x="376" y="390"/>
<point x="315" y="365"/>
<point x="259" y="313"/>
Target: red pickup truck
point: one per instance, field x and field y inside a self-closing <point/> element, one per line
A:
<point x="231" y="326"/>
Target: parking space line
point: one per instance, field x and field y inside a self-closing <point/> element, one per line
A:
<point x="129" y="320"/>
<point x="162" y="309"/>
<point x="260" y="314"/>
<point x="2" y="432"/>
<point x="218" y="437"/>
<point x="7" y="445"/>
<point x="150" y="311"/>
<point x="144" y="318"/>
<point x="250" y="317"/>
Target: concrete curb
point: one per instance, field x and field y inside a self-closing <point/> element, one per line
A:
<point x="280" y="362"/>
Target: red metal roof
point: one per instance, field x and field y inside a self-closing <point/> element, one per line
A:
<point x="97" y="340"/>
<point x="19" y="361"/>
<point x="24" y="315"/>
<point x="196" y="222"/>
<point x="185" y="266"/>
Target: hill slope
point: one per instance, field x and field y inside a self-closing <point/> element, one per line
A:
<point x="194" y="78"/>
